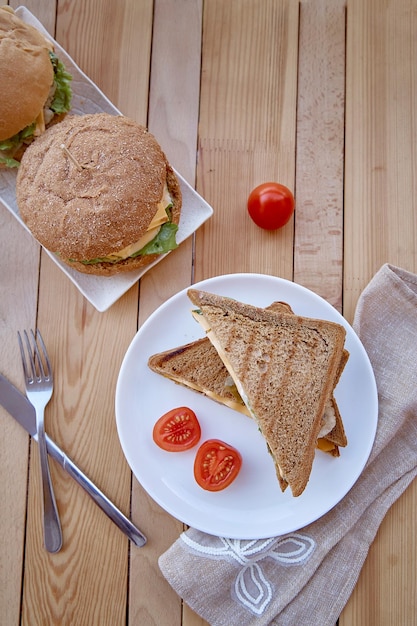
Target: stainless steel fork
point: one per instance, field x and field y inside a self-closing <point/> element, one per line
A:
<point x="39" y="387"/>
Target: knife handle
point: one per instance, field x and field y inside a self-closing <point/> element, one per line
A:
<point x="125" y="525"/>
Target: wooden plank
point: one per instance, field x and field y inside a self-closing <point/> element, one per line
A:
<point x="192" y="619"/>
<point x="173" y="119"/>
<point x="380" y="226"/>
<point x="247" y="131"/>
<point x="318" y="250"/>
<point x="386" y="592"/>
<point x="107" y="40"/>
<point x="86" y="348"/>
<point x="381" y="84"/>
<point x="19" y="270"/>
<point x="175" y="82"/>
<point x="44" y="10"/>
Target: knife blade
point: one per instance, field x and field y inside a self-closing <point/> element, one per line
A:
<point x="21" y="409"/>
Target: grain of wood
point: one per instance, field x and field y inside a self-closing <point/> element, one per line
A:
<point x="17" y="311"/>
<point x="117" y="34"/>
<point x="192" y="619"/>
<point x="387" y="588"/>
<point x="15" y="444"/>
<point x="380" y="227"/>
<point x="318" y="249"/>
<point x="45" y="11"/>
<point x="380" y="186"/>
<point x="175" y="82"/>
<point x="247" y="131"/>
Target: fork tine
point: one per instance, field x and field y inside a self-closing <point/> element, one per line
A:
<point x="46" y="374"/>
<point x="40" y="365"/>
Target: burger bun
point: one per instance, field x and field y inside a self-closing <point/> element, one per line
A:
<point x="90" y="187"/>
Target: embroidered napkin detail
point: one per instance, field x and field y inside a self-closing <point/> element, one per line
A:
<point x="307" y="577"/>
<point x="251" y="587"/>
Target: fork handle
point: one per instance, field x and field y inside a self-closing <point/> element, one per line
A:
<point x="52" y="528"/>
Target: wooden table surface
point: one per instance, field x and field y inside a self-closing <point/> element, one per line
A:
<point x="320" y="95"/>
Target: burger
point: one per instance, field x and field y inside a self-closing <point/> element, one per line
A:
<point x="98" y="191"/>
<point x="35" y="88"/>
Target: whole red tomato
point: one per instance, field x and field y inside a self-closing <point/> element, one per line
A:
<point x="271" y="205"/>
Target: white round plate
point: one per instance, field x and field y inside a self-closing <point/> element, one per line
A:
<point x="252" y="507"/>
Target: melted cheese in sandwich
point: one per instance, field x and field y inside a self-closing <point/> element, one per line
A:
<point x="232" y="404"/>
<point x="159" y="218"/>
<point x="40" y="124"/>
<point x="328" y="420"/>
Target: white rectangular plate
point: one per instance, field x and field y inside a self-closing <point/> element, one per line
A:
<point x="101" y="291"/>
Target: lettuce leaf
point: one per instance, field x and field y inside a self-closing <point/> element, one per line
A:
<point x="61" y="102"/>
<point x="8" y="147"/>
<point x="163" y="242"/>
<point x="9" y="162"/>
<point x="18" y="139"/>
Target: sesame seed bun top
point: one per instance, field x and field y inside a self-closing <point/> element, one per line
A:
<point x="90" y="185"/>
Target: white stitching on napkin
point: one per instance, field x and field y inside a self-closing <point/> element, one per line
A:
<point x="251" y="588"/>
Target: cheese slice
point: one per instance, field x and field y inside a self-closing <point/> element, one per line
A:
<point x="40" y="124"/>
<point x="232" y="404"/>
<point x="160" y="218"/>
<point x="325" y="445"/>
<point x="328" y="420"/>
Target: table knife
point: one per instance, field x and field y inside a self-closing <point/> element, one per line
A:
<point x="21" y="409"/>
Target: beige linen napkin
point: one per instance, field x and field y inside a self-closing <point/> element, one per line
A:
<point x="306" y="577"/>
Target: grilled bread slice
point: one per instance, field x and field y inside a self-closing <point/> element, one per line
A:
<point x="198" y="366"/>
<point x="284" y="367"/>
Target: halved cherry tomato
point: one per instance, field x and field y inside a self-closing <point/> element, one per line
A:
<point x="216" y="465"/>
<point x="271" y="205"/>
<point x="177" y="430"/>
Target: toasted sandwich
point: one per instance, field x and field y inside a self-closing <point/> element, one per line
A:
<point x="197" y="365"/>
<point x="284" y="367"/>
